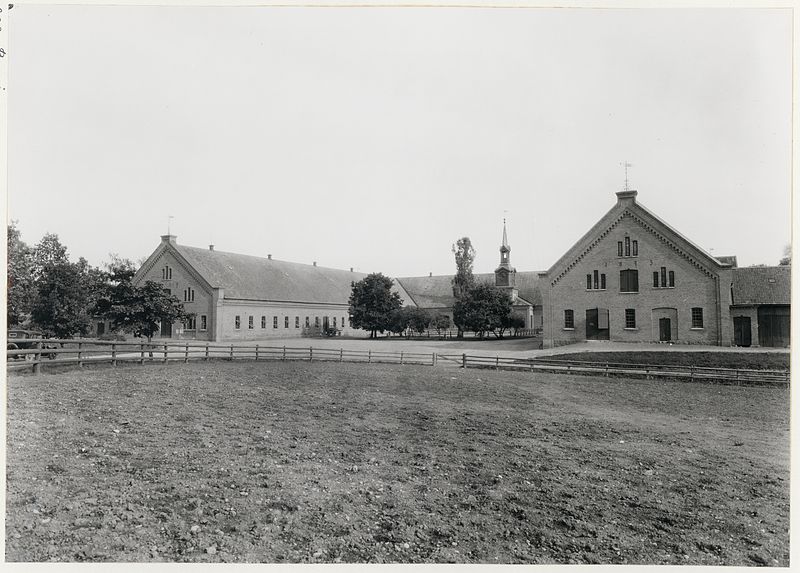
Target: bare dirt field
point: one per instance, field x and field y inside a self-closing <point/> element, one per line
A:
<point x="313" y="462"/>
<point x="744" y="360"/>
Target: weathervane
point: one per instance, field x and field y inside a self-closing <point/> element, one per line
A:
<point x="626" y="175"/>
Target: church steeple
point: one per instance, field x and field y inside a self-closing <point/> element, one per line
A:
<point x="505" y="276"/>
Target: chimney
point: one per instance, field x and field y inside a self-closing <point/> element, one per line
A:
<point x="211" y="247"/>
<point x="626" y="197"/>
<point x="269" y="257"/>
<point x="351" y="269"/>
<point x="430" y="274"/>
<point x="315" y="263"/>
<point x="169" y="239"/>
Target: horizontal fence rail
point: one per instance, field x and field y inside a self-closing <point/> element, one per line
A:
<point x="49" y="352"/>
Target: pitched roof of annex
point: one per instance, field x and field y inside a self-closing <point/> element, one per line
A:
<point x="437" y="291"/>
<point x="762" y="285"/>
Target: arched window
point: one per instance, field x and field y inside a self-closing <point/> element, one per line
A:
<point x="629" y="280"/>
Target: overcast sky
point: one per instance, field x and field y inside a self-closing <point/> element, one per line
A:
<point x="375" y="137"/>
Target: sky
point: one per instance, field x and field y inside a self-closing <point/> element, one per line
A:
<point x="374" y="138"/>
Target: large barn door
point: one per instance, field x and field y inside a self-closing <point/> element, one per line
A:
<point x="773" y="326"/>
<point x="664" y="329"/>
<point x="742" y="331"/>
<point x="166" y="329"/>
<point x="597" y="324"/>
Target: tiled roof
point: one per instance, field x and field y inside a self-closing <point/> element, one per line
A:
<point x="437" y="291"/>
<point x="762" y="285"/>
<point x="255" y="278"/>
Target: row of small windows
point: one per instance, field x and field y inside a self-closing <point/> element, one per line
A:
<point x="629" y="280"/>
<point x="191" y="323"/>
<point x="237" y="322"/>
<point x="664" y="279"/>
<point x="166" y="273"/>
<point x="188" y="294"/>
<point x="628" y="248"/>
<point x="596" y="281"/>
<point x="630" y="318"/>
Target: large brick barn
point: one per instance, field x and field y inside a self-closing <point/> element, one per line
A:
<point x="631" y="277"/>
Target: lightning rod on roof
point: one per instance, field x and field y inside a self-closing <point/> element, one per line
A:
<point x="626" y="164"/>
<point x="169" y="220"/>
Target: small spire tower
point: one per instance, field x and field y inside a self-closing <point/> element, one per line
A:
<point x="505" y="276"/>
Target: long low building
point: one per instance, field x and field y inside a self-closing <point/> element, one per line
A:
<point x="631" y="277"/>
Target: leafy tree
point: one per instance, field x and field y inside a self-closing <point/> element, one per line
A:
<point x="19" y="277"/>
<point x="48" y="251"/>
<point x="400" y="320"/>
<point x="410" y="319"/>
<point x="420" y="319"/>
<point x="464" y="280"/>
<point x="62" y="304"/>
<point x="484" y="309"/>
<point x="787" y="256"/>
<point x="139" y="309"/>
<point x="513" y="322"/>
<point x="440" y="322"/>
<point x="372" y="303"/>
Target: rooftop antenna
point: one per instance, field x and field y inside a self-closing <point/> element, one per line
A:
<point x="626" y="175"/>
<point x="169" y="220"/>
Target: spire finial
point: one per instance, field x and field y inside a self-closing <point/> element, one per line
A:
<point x="626" y="164"/>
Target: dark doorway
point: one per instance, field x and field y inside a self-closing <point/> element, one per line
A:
<point x="773" y="326"/>
<point x="325" y="323"/>
<point x="166" y="329"/>
<point x="101" y="328"/>
<point x="597" y="324"/>
<point x="664" y="329"/>
<point x="742" y="333"/>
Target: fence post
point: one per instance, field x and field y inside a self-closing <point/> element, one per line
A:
<point x="463" y="361"/>
<point x="80" y="362"/>
<point x="433" y="359"/>
<point x="691" y="373"/>
<point x="113" y="354"/>
<point x="231" y="351"/>
<point x="206" y="356"/>
<point x="310" y="353"/>
<point x="256" y="352"/>
<point x="141" y="358"/>
<point x="401" y="358"/>
<point x="186" y="354"/>
<point x="166" y="352"/>
<point x="497" y="363"/>
<point x="283" y="357"/>
<point x="341" y="355"/>
<point x="37" y="364"/>
<point x="606" y="373"/>
<point x="369" y="355"/>
<point x="737" y="376"/>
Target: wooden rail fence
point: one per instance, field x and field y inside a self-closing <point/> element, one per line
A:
<point x="78" y="353"/>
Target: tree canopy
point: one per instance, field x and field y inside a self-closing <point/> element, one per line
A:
<point x="484" y="309"/>
<point x="372" y="303"/>
<point x="63" y="302"/>
<point x="20" y="287"/>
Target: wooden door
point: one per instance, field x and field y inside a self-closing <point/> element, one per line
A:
<point x="664" y="329"/>
<point x="742" y="333"/>
<point x="166" y="329"/>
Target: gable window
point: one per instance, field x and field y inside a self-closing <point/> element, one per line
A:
<point x="595" y="280"/>
<point x="627" y="246"/>
<point x="663" y="276"/>
<point x="569" y="318"/>
<point x="166" y="272"/>
<point x="286" y="322"/>
<point x="629" y="280"/>
<point x="588" y="281"/>
<point x="630" y="318"/>
<point x="274" y="322"/>
<point x="672" y="279"/>
<point x="635" y="250"/>
<point x="697" y="317"/>
<point x="237" y="323"/>
<point x="188" y="294"/>
<point x="655" y="279"/>
<point x="619" y="248"/>
<point x="250" y="322"/>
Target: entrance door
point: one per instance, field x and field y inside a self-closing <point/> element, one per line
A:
<point x="166" y="329"/>
<point x="597" y="324"/>
<point x="741" y="331"/>
<point x="664" y="329"/>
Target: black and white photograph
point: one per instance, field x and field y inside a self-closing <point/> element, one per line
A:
<point x="398" y="283"/>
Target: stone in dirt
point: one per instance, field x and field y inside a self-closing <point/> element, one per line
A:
<point x="211" y="550"/>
